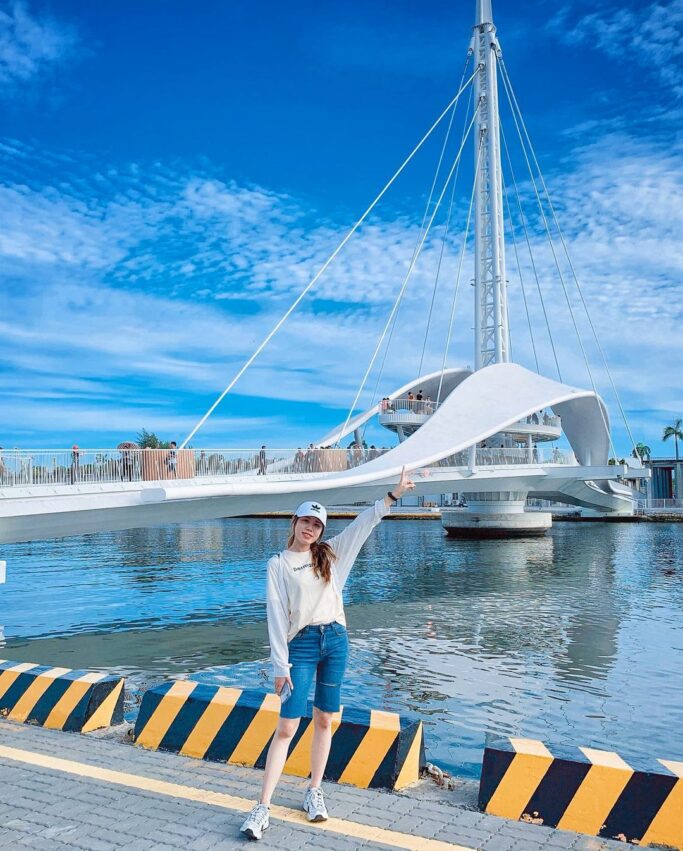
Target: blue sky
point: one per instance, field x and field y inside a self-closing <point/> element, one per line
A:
<point x="173" y="174"/>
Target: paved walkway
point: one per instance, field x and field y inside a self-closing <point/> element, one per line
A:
<point x="63" y="791"/>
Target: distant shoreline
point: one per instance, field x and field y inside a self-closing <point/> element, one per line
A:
<point x="435" y="514"/>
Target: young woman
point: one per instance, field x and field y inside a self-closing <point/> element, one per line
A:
<point x="308" y="640"/>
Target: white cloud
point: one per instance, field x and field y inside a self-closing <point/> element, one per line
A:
<point x="126" y="420"/>
<point x="30" y="45"/>
<point x="648" y="34"/>
<point x="154" y="285"/>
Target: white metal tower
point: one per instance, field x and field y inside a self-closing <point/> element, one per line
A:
<point x="490" y="304"/>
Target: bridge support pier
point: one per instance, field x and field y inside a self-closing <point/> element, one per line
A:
<point x="498" y="514"/>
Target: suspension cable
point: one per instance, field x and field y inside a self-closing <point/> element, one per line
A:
<point x="531" y="253"/>
<point x="404" y="285"/>
<point x="444" y="146"/>
<point x="457" y="280"/>
<point x="443" y="246"/>
<point x="557" y="263"/>
<point x="571" y="266"/>
<point x="336" y="251"/>
<point x="424" y="218"/>
<point x="519" y="272"/>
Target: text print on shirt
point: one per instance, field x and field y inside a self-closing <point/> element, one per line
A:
<point x="302" y="567"/>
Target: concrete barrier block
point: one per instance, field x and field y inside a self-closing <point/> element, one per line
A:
<point x="59" y="698"/>
<point x="583" y="789"/>
<point x="369" y="748"/>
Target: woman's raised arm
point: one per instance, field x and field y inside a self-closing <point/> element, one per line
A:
<point x="347" y="543"/>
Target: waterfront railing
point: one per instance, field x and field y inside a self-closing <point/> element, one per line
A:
<point x="424" y="408"/>
<point x="660" y="505"/>
<point x="25" y="468"/>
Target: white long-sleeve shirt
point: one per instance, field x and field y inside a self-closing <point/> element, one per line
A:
<point x="296" y="597"/>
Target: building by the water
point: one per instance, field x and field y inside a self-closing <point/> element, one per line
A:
<point x="664" y="484"/>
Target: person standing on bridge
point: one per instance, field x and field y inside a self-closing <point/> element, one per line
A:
<point x="308" y="639"/>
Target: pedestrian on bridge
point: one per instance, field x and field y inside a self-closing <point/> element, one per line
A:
<point x="75" y="464"/>
<point x="262" y="463"/>
<point x="172" y="460"/>
<point x="308" y="639"/>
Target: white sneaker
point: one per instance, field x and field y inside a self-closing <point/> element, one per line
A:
<point x="314" y="804"/>
<point x="256" y="822"/>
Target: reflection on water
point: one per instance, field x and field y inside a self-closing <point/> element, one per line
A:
<point x="574" y="637"/>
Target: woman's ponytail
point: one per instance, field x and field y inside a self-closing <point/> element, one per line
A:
<point x="322" y="556"/>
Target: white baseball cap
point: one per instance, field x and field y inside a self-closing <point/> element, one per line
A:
<point x="312" y="509"/>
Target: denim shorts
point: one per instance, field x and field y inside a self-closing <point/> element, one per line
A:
<point x="319" y="652"/>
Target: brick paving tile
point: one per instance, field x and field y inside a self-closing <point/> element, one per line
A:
<point x="92" y="843"/>
<point x="207" y="842"/>
<point x="165" y="835"/>
<point x="399" y="804"/>
<point x="500" y="843"/>
<point x="138" y="844"/>
<point x="471" y="819"/>
<point x="530" y="842"/>
<point x="23" y="825"/>
<point x="379" y="819"/>
<point x="455" y="833"/>
<point x="477" y="840"/>
<point x="11" y="838"/>
<point x="341" y="809"/>
<point x="558" y="839"/>
<point x="74" y="812"/>
<point x="408" y="823"/>
<point x="592" y="843"/>
<point x="42" y="844"/>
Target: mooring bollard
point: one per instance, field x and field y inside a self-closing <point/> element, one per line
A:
<point x="583" y="789"/>
<point x="59" y="698"/>
<point x="370" y="748"/>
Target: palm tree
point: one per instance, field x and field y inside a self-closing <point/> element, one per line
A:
<point x="642" y="451"/>
<point x="675" y="431"/>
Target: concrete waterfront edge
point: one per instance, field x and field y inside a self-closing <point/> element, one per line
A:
<point x="60" y="698"/>
<point x="584" y="790"/>
<point x="370" y="748"/>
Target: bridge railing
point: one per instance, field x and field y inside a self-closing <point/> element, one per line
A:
<point x="102" y="466"/>
<point x="542" y="418"/>
<point x="425" y="407"/>
<point x="504" y="456"/>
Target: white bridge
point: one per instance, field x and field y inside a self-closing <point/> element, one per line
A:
<point x="481" y="433"/>
<point x="45" y="494"/>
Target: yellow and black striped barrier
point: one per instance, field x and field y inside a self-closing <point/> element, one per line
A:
<point x="369" y="748"/>
<point x="59" y="698"/>
<point x="583" y="789"/>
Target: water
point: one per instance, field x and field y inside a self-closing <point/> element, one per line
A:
<point x="573" y="638"/>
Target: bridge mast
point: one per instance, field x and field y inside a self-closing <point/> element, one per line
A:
<point x="490" y="306"/>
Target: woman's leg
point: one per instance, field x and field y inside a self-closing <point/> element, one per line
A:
<point x="303" y="656"/>
<point x="330" y="675"/>
<point x="277" y="756"/>
<point x="320" y="748"/>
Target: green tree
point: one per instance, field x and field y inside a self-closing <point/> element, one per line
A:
<point x="642" y="451"/>
<point x="149" y="440"/>
<point x="675" y="431"/>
